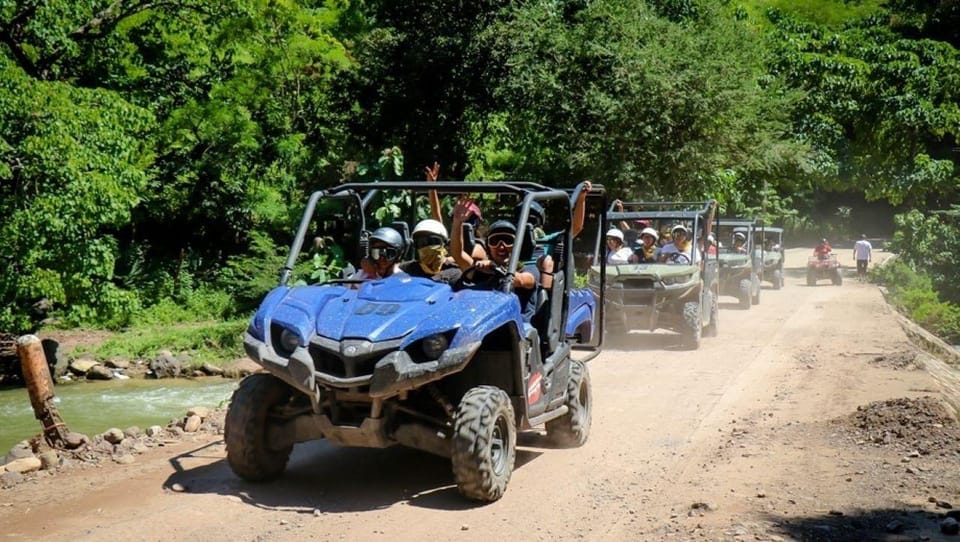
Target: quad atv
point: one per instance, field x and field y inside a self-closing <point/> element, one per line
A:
<point x="819" y="268"/>
<point x="740" y="267"/>
<point x="678" y="294"/>
<point x="771" y="252"/>
<point x="409" y="361"/>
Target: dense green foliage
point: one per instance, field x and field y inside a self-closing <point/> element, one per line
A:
<point x="154" y="156"/>
<point x="913" y="293"/>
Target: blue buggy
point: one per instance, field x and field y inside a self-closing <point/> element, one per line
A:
<point x="409" y="361"/>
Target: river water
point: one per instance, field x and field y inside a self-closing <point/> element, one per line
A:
<point x="93" y="407"/>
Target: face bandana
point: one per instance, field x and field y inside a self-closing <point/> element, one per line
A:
<point x="431" y="258"/>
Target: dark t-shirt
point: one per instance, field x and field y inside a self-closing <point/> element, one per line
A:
<point x="485" y="281"/>
<point x="449" y="273"/>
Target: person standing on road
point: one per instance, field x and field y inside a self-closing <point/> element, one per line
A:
<point x="863" y="253"/>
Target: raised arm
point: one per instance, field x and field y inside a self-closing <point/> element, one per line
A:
<point x="432" y="173"/>
<point x="580" y="209"/>
<point x="461" y="212"/>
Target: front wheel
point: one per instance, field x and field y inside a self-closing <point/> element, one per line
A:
<point x="694" y="321"/>
<point x="573" y="428"/>
<point x="484" y="443"/>
<point x="744" y="294"/>
<point x="811" y="277"/>
<point x="837" y="277"/>
<point x="249" y="452"/>
<point x="713" y="328"/>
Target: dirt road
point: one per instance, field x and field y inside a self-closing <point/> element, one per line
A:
<point x="756" y="436"/>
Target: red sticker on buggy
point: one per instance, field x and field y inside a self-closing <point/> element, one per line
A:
<point x="533" y="388"/>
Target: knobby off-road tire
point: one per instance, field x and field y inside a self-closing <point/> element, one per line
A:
<point x="744" y="293"/>
<point x="249" y="453"/>
<point x="811" y="278"/>
<point x="837" y="278"/>
<point x="694" y="322"/>
<point x="777" y="279"/>
<point x="713" y="328"/>
<point x="573" y="429"/>
<point x="484" y="443"/>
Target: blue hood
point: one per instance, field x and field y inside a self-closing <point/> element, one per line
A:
<point x="399" y="307"/>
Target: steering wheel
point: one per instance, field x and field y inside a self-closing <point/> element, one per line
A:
<point x="680" y="258"/>
<point x="494" y="276"/>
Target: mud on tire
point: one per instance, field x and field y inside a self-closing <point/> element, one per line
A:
<point x="249" y="451"/>
<point x="573" y="428"/>
<point x="484" y="443"/>
<point x="694" y="324"/>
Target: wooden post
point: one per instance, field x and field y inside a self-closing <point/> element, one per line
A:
<point x="36" y="374"/>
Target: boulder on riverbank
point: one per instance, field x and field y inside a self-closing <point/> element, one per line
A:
<point x="31" y="457"/>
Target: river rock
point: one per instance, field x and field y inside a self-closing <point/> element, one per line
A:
<point x="203" y="412"/>
<point x="165" y="366"/>
<point x="132" y="431"/>
<point x="117" y="363"/>
<point x="154" y="430"/>
<point x="24" y="465"/>
<point x="99" y="372"/>
<point x="113" y="435"/>
<point x="192" y="424"/>
<point x="211" y="370"/>
<point x="19" y="451"/>
<point x="76" y="440"/>
<point x="125" y="459"/>
<point x="80" y="366"/>
<point x="49" y="459"/>
<point x="10" y="479"/>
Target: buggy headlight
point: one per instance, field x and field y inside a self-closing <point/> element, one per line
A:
<point x="434" y="345"/>
<point x="289" y="341"/>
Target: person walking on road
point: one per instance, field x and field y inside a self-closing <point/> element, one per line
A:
<point x="863" y="253"/>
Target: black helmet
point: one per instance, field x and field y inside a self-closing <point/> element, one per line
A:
<point x="389" y="236"/>
<point x="537" y="215"/>
<point x="502" y="226"/>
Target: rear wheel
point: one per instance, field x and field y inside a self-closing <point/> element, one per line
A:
<point x="694" y="322"/>
<point x="713" y="328"/>
<point x="777" y="279"/>
<point x="744" y="294"/>
<point x="484" y="443"/>
<point x="573" y="428"/>
<point x="249" y="452"/>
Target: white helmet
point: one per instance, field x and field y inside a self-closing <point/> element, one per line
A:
<point x="614" y="232"/>
<point x="430" y="225"/>
<point x="680" y="227"/>
<point x="739" y="236"/>
<point x="651" y="232"/>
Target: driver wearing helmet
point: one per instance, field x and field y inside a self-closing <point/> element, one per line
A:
<point x="500" y="240"/>
<point x="617" y="252"/>
<point x="822" y="250"/>
<point x="385" y="248"/>
<point x="647" y="251"/>
<point x="430" y="241"/>
<point x="679" y="250"/>
<point x="739" y="243"/>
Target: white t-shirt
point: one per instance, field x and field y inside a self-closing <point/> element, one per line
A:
<point x="620" y="256"/>
<point x="862" y="249"/>
<point x="670" y="249"/>
<point x="363" y="275"/>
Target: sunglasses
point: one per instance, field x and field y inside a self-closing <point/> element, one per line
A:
<point x="388" y="253"/>
<point x="501" y="241"/>
<point x="428" y="241"/>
